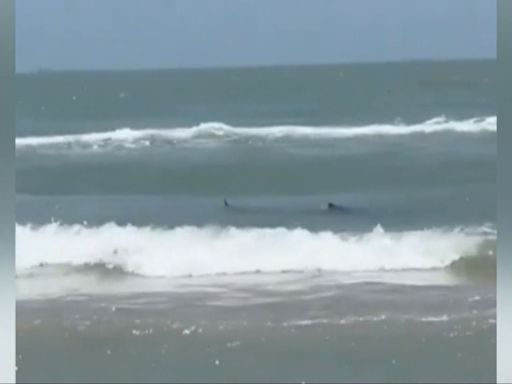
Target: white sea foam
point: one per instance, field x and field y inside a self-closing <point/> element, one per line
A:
<point x="186" y="251"/>
<point x="130" y="138"/>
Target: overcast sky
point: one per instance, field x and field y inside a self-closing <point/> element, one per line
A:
<point x="114" y="34"/>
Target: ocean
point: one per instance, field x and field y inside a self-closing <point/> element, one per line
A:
<point x="173" y="225"/>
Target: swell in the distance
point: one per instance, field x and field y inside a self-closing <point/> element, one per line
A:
<point x="214" y="131"/>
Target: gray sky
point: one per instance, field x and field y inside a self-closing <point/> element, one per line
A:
<point x="113" y="34"/>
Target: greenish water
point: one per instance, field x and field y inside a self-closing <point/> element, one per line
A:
<point x="121" y="181"/>
<point x="355" y="94"/>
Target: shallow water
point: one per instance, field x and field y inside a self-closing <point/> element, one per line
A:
<point x="265" y="332"/>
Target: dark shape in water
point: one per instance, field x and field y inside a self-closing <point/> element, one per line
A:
<point x="329" y="207"/>
<point x="336" y="207"/>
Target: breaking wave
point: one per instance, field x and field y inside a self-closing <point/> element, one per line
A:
<point x="213" y="131"/>
<point x="185" y="251"/>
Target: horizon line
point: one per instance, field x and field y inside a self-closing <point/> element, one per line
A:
<point x="255" y="66"/>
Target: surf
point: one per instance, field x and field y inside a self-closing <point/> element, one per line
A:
<point x="220" y="132"/>
<point x="196" y="251"/>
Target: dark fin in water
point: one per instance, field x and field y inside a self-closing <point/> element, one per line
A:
<point x="226" y="203"/>
<point x="337" y="207"/>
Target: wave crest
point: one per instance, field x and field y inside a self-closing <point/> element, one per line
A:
<point x="185" y="251"/>
<point x="216" y="131"/>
